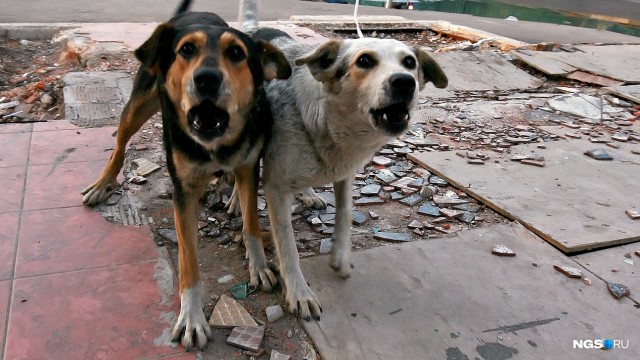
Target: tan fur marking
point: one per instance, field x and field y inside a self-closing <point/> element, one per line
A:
<point x="240" y="84"/>
<point x="248" y="193"/>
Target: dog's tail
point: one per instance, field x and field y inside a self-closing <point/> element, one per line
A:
<point x="183" y="7"/>
<point x="248" y="17"/>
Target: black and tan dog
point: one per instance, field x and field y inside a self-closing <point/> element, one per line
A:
<point x="207" y="79"/>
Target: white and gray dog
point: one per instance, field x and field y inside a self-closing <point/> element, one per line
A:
<point x="344" y="100"/>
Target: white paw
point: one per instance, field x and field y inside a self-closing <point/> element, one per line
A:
<point x="191" y="329"/>
<point x="313" y="201"/>
<point x="302" y="301"/>
<point x="262" y="273"/>
<point x="99" y="191"/>
<point x="340" y="261"/>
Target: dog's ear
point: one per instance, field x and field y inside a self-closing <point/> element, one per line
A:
<point x="274" y="64"/>
<point x="430" y="70"/>
<point x="322" y="61"/>
<point x="156" y="53"/>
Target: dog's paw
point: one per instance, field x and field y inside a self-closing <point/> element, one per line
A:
<point x="233" y="206"/>
<point x="99" y="191"/>
<point x="311" y="200"/>
<point x="340" y="261"/>
<point x="262" y="274"/>
<point x="191" y="329"/>
<point x="302" y="301"/>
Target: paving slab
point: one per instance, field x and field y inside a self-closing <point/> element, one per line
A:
<point x="477" y="71"/>
<point x="620" y="62"/>
<point x="574" y="202"/>
<point x="450" y="298"/>
<point x="629" y="92"/>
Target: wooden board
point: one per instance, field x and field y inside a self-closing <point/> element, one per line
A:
<point x="574" y="202"/>
<point x="450" y="298"/>
<point x="483" y="70"/>
<point x="629" y="92"/>
<point x="621" y="62"/>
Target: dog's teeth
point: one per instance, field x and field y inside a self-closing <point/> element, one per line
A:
<point x="384" y="117"/>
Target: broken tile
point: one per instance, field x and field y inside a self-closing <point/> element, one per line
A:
<point x="447" y="228"/>
<point x="371" y="189"/>
<point x="612" y="145"/>
<point x="618" y="290"/>
<point x="381" y="160"/>
<point x="475" y="161"/>
<point x="402" y="150"/>
<point x="391" y="236"/>
<point x="385" y="176"/>
<point x="468" y="207"/>
<point x="637" y="253"/>
<point x="397" y="195"/>
<point x="568" y="271"/>
<point x="412" y="200"/>
<point x="622" y="137"/>
<point x="450" y="213"/>
<point x="274" y="313"/>
<point x="428" y="209"/>
<point x="415" y="224"/>
<point x="403" y="182"/>
<point x="246" y="337"/>
<point x="328" y="219"/>
<point x="369" y="201"/>
<point x="444" y="201"/>
<point x="145" y="167"/>
<point x="229" y="313"/>
<point x="633" y="214"/>
<point x="358" y="218"/>
<point x="420" y="142"/>
<point x="502" y="250"/>
<point x="417" y="183"/>
<point x="438" y="181"/>
<point x="374" y="215"/>
<point x="408" y="191"/>
<point x="599" y="154"/>
<point x="239" y="291"/>
<point x="466" y="217"/>
<point x="532" y="162"/>
<point x="277" y="356"/>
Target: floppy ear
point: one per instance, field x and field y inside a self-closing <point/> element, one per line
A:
<point x="274" y="64"/>
<point x="430" y="70"/>
<point x="322" y="61"/>
<point x="156" y="53"/>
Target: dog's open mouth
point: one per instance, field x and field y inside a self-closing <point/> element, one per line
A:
<point x="208" y="120"/>
<point x="393" y="119"/>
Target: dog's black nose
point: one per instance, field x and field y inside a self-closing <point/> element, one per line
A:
<point x="207" y="81"/>
<point x="403" y="86"/>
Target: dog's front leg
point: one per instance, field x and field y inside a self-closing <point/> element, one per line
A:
<point x="246" y="188"/>
<point x="301" y="299"/>
<point x="341" y="248"/>
<point x="191" y="327"/>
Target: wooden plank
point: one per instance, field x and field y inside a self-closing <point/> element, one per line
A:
<point x="574" y="202"/>
<point x="544" y="62"/>
<point x="451" y="296"/>
<point x="629" y="92"/>
<point x="483" y="70"/>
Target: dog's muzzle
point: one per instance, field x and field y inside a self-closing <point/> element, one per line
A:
<point x="207" y="120"/>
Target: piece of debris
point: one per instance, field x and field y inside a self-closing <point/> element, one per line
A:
<point x="475" y="161"/>
<point x="374" y="215"/>
<point x="618" y="291"/>
<point x="633" y="214"/>
<point x="246" y="337"/>
<point x="371" y="189"/>
<point x="277" y="356"/>
<point x="587" y="281"/>
<point x="599" y="154"/>
<point x="449" y="213"/>
<point x="138" y="180"/>
<point x="622" y="137"/>
<point x="145" y="167"/>
<point x="325" y="245"/>
<point x="637" y="253"/>
<point x="615" y="269"/>
<point x="444" y="201"/>
<point x="9" y="105"/>
<point x="391" y="236"/>
<point x="239" y="291"/>
<point x="428" y="209"/>
<point x="358" y="218"/>
<point x="577" y="104"/>
<point x="229" y="313"/>
<point x="412" y="200"/>
<point x="502" y="250"/>
<point x="369" y="201"/>
<point x="568" y="271"/>
<point x="386" y="176"/>
<point x="532" y="162"/>
<point x="225" y="279"/>
<point x="415" y="224"/>
<point x="628" y="261"/>
<point x="274" y="313"/>
<point x="382" y="160"/>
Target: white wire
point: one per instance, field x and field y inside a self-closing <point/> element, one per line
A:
<point x="355" y="19"/>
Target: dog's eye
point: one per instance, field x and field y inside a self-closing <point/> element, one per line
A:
<point x="409" y="62"/>
<point x="365" y="61"/>
<point x="235" y="53"/>
<point x="188" y="50"/>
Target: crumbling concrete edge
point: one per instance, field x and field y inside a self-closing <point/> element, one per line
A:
<point x="33" y="31"/>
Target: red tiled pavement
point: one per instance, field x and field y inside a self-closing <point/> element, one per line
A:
<point x="59" y="184"/>
<point x="60" y="146"/>
<point x="118" y="312"/>
<point x="12" y="180"/>
<point x="83" y="288"/>
<point x="76" y="238"/>
<point x="15" y="149"/>
<point x="8" y="236"/>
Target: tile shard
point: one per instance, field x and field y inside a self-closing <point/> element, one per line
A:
<point x="618" y="291"/>
<point x="568" y="271"/>
<point x="229" y="313"/>
<point x="246" y="337"/>
<point x="502" y="250"/>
